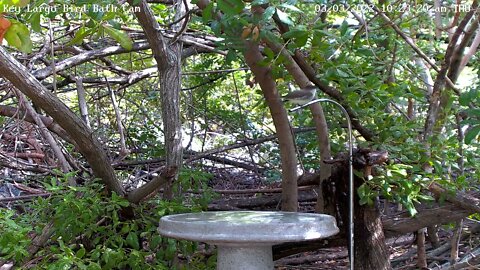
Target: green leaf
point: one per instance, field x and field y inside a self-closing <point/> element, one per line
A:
<point x="343" y="28"/>
<point x="269" y="53"/>
<point x="231" y="7"/>
<point x="18" y="36"/>
<point x="120" y="36"/>
<point x="411" y="208"/>
<point x="231" y="56"/>
<point x="268" y="14"/>
<point x="132" y="240"/>
<point x="467" y="97"/>
<point x="155" y="242"/>
<point x="473" y="112"/>
<point x="297" y="32"/>
<point x="260" y="2"/>
<point x="284" y="17"/>
<point x="35" y="22"/>
<point x="80" y="253"/>
<point x="472" y="134"/>
<point x="80" y="35"/>
<point x="342" y="73"/>
<point x="207" y="13"/>
<point x="291" y="7"/>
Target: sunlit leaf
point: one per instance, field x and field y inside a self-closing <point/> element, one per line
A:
<point x="472" y="134"/>
<point x="35" y="22"/>
<point x="20" y="3"/>
<point x="18" y="36"/>
<point x="268" y="13"/>
<point x="260" y="2"/>
<point x="284" y="17"/>
<point x="120" y="36"/>
<point x="290" y="7"/>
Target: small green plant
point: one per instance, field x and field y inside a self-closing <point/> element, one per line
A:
<point x="398" y="184"/>
<point x="14" y="237"/>
<point x="93" y="230"/>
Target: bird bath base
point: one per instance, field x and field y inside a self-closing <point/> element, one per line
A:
<point x="245" y="238"/>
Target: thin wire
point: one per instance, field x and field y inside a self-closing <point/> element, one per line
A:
<point x="350" y="171"/>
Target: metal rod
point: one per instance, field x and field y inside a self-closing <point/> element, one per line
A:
<point x="350" y="172"/>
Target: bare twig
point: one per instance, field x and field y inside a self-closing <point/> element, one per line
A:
<point x="82" y="103"/>
<point x="410" y="42"/>
<point x="123" y="148"/>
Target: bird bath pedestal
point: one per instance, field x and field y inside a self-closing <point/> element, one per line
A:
<point x="245" y="238"/>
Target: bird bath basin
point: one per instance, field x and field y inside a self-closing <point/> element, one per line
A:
<point x="245" y="238"/>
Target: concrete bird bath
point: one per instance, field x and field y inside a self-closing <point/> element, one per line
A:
<point x="245" y="238"/>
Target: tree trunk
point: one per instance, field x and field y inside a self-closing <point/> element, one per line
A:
<point x="168" y="57"/>
<point x="88" y="145"/>
<point x="371" y="252"/>
<point x="318" y="116"/>
<point x="282" y="125"/>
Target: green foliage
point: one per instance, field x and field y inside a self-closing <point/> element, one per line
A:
<point x="195" y="179"/>
<point x="397" y="183"/>
<point x="18" y="36"/>
<point x="14" y="238"/>
<point x="91" y="231"/>
<point x="472" y="121"/>
<point x="120" y="36"/>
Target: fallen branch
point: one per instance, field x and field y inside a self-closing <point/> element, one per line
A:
<point x="471" y="260"/>
<point x="151" y="188"/>
<point x="47" y="121"/>
<point x="25" y="197"/>
<point x="464" y="201"/>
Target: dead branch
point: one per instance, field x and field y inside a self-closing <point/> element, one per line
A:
<point x="472" y="260"/>
<point x="64" y="165"/>
<point x="82" y="102"/>
<point x="151" y="188"/>
<point x="123" y="147"/>
<point x="260" y="202"/>
<point x="85" y="57"/>
<point x="465" y="201"/>
<point x="25" y="116"/>
<point x="25" y="197"/>
<point x="20" y="165"/>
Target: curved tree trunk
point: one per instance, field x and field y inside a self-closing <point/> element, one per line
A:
<point x="318" y="116"/>
<point x="87" y="143"/>
<point x="168" y="57"/>
<point x="282" y="125"/>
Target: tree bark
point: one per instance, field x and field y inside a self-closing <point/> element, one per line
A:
<point x="168" y="56"/>
<point x="421" y="252"/>
<point x="82" y="101"/>
<point x="371" y="251"/>
<point x="88" y="145"/>
<point x="282" y="125"/>
<point x="434" y="108"/>
<point x="318" y="116"/>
